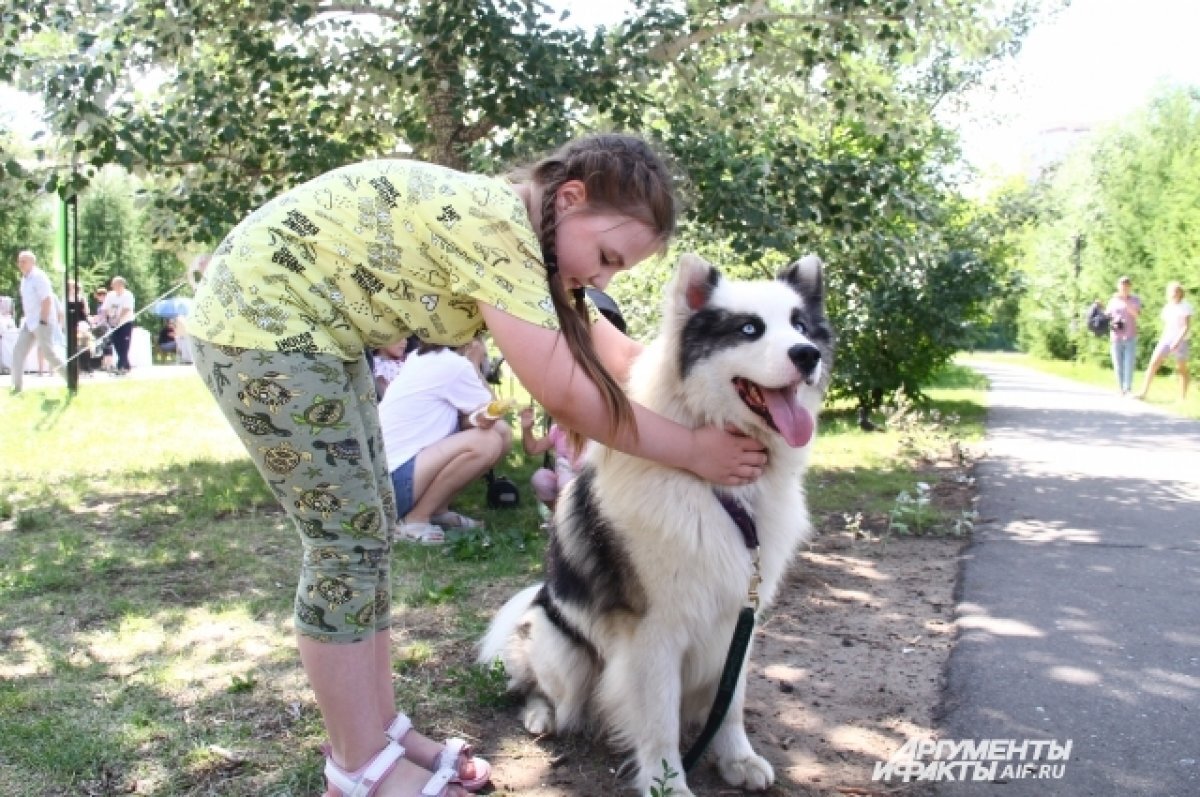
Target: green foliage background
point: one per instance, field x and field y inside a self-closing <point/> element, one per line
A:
<point x="802" y="126"/>
<point x="1131" y="194"/>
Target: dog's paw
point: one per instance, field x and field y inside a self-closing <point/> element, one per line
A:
<point x="538" y="716"/>
<point x="753" y="772"/>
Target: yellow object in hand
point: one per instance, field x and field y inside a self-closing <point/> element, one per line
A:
<point x="499" y="407"/>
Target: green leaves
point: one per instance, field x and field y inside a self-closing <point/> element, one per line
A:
<point x="1132" y="193"/>
<point x="800" y="126"/>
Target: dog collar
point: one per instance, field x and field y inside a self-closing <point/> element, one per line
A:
<point x="742" y="518"/>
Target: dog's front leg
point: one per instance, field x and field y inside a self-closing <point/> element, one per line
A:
<point x="639" y="695"/>
<point x="737" y="762"/>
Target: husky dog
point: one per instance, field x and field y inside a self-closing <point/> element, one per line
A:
<point x="647" y="570"/>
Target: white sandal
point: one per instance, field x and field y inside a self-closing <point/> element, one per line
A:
<point x="447" y="761"/>
<point x="421" y="533"/>
<point x="454" y="520"/>
<point x="365" y="781"/>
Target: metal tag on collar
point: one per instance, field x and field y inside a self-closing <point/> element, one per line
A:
<point x="755" y="580"/>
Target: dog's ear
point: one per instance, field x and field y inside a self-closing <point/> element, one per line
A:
<point x="696" y="281"/>
<point x="806" y="277"/>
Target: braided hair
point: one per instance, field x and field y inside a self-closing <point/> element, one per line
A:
<point x="621" y="174"/>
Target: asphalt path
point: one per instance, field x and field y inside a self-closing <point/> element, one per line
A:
<point x="1079" y="597"/>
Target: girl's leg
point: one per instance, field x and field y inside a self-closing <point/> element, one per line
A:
<point x="1182" y="367"/>
<point x="304" y="423"/>
<point x="545" y="486"/>
<point x="443" y="469"/>
<point x="122" y="339"/>
<point x="1151" y="370"/>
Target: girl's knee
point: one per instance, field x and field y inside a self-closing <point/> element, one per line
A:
<point x="491" y="444"/>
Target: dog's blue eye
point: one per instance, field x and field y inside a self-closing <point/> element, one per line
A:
<point x="749" y="329"/>
<point x="798" y="323"/>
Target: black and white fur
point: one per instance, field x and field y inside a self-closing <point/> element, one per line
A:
<point x="646" y="572"/>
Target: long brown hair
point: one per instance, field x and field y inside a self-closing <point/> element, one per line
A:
<point x="621" y="174"/>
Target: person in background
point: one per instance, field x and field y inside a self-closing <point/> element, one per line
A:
<point x="387" y="362"/>
<point x="40" y="311"/>
<point x="7" y="321"/>
<point x="1177" y="321"/>
<point x="102" y="329"/>
<point x="77" y="305"/>
<point x="438" y="437"/>
<point x="77" y="320"/>
<point x="167" y="342"/>
<point x="118" y="310"/>
<point x="1123" y="310"/>
<point x="86" y="356"/>
<point x="548" y="483"/>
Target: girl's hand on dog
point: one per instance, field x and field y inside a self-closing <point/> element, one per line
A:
<point x="727" y="457"/>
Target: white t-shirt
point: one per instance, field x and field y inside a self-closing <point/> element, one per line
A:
<point x="113" y="306"/>
<point x="35" y="287"/>
<point x="421" y="406"/>
<point x="1174" y="318"/>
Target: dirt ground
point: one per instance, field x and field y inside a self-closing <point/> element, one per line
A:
<point x="845" y="668"/>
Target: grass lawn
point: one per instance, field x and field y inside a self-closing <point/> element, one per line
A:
<point x="1164" y="390"/>
<point x="146" y="580"/>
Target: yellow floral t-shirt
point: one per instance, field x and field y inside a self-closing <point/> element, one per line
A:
<point x="370" y="253"/>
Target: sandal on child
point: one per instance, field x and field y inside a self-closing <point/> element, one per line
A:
<point x="453" y="520"/>
<point x="448" y="761"/>
<point x="421" y="533"/>
<point x="365" y="781"/>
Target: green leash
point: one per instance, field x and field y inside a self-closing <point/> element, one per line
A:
<point x="741" y="636"/>
<point x="725" y="688"/>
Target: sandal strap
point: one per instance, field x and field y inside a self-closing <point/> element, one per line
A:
<point x="446" y="764"/>
<point x="437" y="784"/>
<point x="452" y="752"/>
<point x="399" y="727"/>
<point x="365" y="781"/>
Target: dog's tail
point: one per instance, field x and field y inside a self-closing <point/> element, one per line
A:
<point x="502" y="641"/>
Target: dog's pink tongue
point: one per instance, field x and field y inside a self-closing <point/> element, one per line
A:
<point x="793" y="421"/>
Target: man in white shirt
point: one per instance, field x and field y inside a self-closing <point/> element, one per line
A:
<point x="40" y="319"/>
<point x="438" y="438"/>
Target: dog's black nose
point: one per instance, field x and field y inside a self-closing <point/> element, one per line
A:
<point x="805" y="356"/>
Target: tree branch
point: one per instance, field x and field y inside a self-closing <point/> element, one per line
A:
<point x="363" y="8"/>
<point x="670" y="49"/>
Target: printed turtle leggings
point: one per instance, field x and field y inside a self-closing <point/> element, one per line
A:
<point x="310" y="423"/>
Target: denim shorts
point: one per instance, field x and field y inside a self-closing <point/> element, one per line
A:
<point x="402" y="486"/>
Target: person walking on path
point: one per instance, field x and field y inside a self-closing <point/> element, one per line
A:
<point x="1177" y="320"/>
<point x="1123" y="310"/>
<point x="362" y="257"/>
<point x="40" y="319"/>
